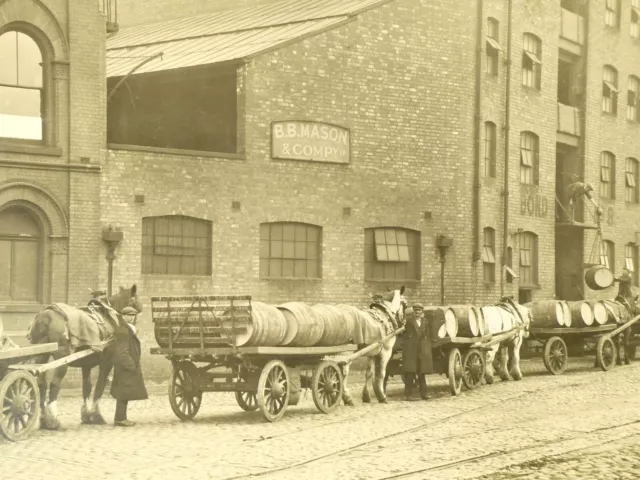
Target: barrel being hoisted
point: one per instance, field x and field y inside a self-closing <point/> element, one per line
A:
<point x="581" y="314"/>
<point x="338" y="327"/>
<point x="598" y="277"/>
<point x="303" y="328"/>
<point x="468" y="320"/>
<point x="600" y="314"/>
<point x="547" y="314"/>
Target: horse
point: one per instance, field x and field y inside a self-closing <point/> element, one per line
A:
<point x="75" y="329"/>
<point x="385" y="315"/>
<point x="626" y="351"/>
<point x="507" y="362"/>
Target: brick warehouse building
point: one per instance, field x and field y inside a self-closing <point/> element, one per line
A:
<point x="320" y="153"/>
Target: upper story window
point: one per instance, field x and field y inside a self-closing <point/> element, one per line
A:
<point x="391" y="253"/>
<point x="490" y="149"/>
<point x="631" y="260"/>
<point x="632" y="181"/>
<point x="493" y="46"/>
<point x="489" y="255"/>
<point x="290" y="250"/>
<point x="634" y="27"/>
<point x="610" y="90"/>
<point x="529" y="162"/>
<point x="633" y="95"/>
<point x="612" y="13"/>
<point x="531" y="61"/>
<point x="608" y="254"/>
<point x="528" y="259"/>
<point x="21" y="88"/>
<point x="176" y="245"/>
<point x="607" y="175"/>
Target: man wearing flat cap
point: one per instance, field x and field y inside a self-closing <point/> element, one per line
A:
<point x="416" y="354"/>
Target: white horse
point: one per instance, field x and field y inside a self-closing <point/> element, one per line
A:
<point x="385" y="315"/>
<point x="507" y="363"/>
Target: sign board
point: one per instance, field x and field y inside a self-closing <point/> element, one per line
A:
<point x="533" y="205"/>
<point x="311" y="141"/>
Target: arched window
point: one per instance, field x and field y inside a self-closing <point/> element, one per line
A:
<point x="290" y="250"/>
<point x="607" y="175"/>
<point x="176" y="245"/>
<point x="528" y="259"/>
<point x="20" y="256"/>
<point x="608" y="254"/>
<point x="489" y="255"/>
<point x="531" y="61"/>
<point x="609" y="90"/>
<point x="489" y="149"/>
<point x="529" y="153"/>
<point x="631" y="260"/>
<point x="633" y="96"/>
<point x="631" y="180"/>
<point x="21" y="87"/>
<point x="391" y="253"/>
<point x="493" y="46"/>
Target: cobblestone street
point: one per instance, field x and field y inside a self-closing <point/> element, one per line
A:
<point x="584" y="424"/>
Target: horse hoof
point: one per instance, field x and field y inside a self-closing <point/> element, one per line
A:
<point x="489" y="380"/>
<point x="98" y="419"/>
<point x="383" y="400"/>
<point x="52" y="424"/>
<point x="366" y="400"/>
<point x="348" y="402"/>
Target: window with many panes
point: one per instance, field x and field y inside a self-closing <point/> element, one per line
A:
<point x="531" y="61"/>
<point x="391" y="253"/>
<point x="529" y="164"/>
<point x="631" y="260"/>
<point x="528" y="259"/>
<point x="492" y="46"/>
<point x="290" y="250"/>
<point x="608" y="254"/>
<point x="634" y="27"/>
<point x="489" y="255"/>
<point x="633" y="95"/>
<point x="489" y="149"/>
<point x="21" y="88"/>
<point x="631" y="180"/>
<point x="610" y="90"/>
<point x="612" y="13"/>
<point x="176" y="245"/>
<point x="607" y="175"/>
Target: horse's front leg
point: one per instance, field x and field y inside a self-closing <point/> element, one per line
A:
<point x="503" y="365"/>
<point x="346" y="395"/>
<point x="51" y="421"/>
<point x="514" y="356"/>
<point x="488" y="364"/>
<point x="87" y="407"/>
<point x="381" y="370"/>
<point x="103" y="373"/>
<point x="368" y="374"/>
<point x="42" y="387"/>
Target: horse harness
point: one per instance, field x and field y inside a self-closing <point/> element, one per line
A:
<point x="385" y="316"/>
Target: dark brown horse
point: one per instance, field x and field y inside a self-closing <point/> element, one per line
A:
<point x="53" y="325"/>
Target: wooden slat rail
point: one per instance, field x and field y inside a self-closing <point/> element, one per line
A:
<point x="311" y="351"/>
<point x="571" y="330"/>
<point x="40" y="368"/>
<point x="29" y="351"/>
<point x="206" y="308"/>
<point x="215" y="298"/>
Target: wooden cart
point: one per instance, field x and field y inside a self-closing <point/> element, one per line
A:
<point x="606" y="350"/>
<point x="19" y="392"/>
<point x="260" y="376"/>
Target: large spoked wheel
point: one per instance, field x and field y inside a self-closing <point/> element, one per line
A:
<point x="327" y="386"/>
<point x="273" y="390"/>
<point x="605" y="353"/>
<point x="19" y="396"/>
<point x="472" y="368"/>
<point x="184" y="396"/>
<point x="455" y="371"/>
<point x="556" y="355"/>
<point x="248" y="401"/>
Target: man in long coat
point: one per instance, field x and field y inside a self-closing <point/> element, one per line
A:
<point x="416" y="353"/>
<point x="128" y="382"/>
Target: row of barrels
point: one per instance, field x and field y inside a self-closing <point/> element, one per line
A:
<point x="560" y="313"/>
<point x="468" y="320"/>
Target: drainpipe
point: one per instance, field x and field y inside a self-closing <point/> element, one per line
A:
<point x="507" y="127"/>
<point x="476" y="143"/>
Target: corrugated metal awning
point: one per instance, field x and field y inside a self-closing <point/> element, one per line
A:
<point x="229" y="35"/>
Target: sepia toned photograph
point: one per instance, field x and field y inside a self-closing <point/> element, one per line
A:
<point x="319" y="239"/>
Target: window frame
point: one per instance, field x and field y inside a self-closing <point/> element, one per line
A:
<point x="529" y="158"/>
<point x="634" y="24"/>
<point x="633" y="97"/>
<point x="608" y="254"/>
<point x="612" y="14"/>
<point x="632" y="180"/>
<point x="492" y="47"/>
<point x="489" y="255"/>
<point x="155" y="252"/>
<point x="490" y="149"/>
<point x="610" y="90"/>
<point x="528" y="260"/>
<point x="386" y="270"/>
<point x="531" y="61"/>
<point x="631" y="260"/>
<point x="271" y="239"/>
<point x="607" y="175"/>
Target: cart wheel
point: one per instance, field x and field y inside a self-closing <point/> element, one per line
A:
<point x="605" y="353"/>
<point x="455" y="371"/>
<point x="19" y="396"/>
<point x="472" y="368"/>
<point x="248" y="401"/>
<point x="273" y="390"/>
<point x="327" y="386"/>
<point x="556" y="356"/>
<point x="184" y="396"/>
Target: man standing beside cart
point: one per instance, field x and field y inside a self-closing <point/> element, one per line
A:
<point x="416" y="356"/>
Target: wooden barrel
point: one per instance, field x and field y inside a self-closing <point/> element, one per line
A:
<point x="270" y="325"/>
<point x="479" y="319"/>
<point x="508" y="320"/>
<point x="468" y="321"/>
<point x="600" y="314"/>
<point x="303" y="328"/>
<point x="598" y="277"/>
<point x="436" y="321"/>
<point x="617" y="312"/>
<point x="566" y="313"/>
<point x="450" y="322"/>
<point x="581" y="314"/>
<point x="337" y="326"/>
<point x="546" y="313"/>
<point x="493" y="317"/>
